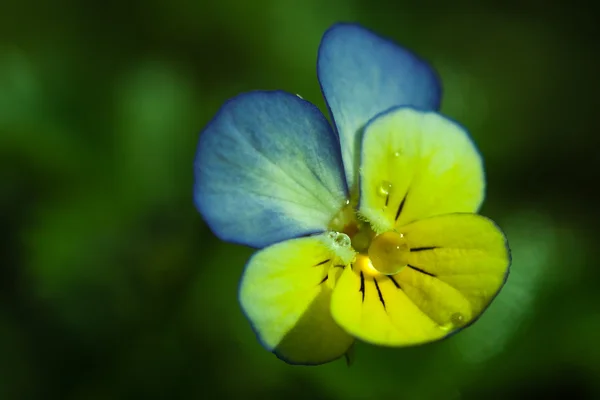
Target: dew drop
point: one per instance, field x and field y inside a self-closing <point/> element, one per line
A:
<point x="457" y="319"/>
<point x="339" y="239"/>
<point x="342" y="240"/>
<point x="384" y="189"/>
<point x="389" y="253"/>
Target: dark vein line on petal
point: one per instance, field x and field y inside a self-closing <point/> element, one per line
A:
<point x="324" y="279"/>
<point x="400" y="207"/>
<point x="423" y="248"/>
<point x="387" y="199"/>
<point x="420" y="270"/>
<point x="395" y="283"/>
<point x="323" y="262"/>
<point x="379" y="292"/>
<point x="362" y="286"/>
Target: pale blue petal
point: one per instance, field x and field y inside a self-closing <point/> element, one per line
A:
<point x="363" y="74"/>
<point x="268" y="168"/>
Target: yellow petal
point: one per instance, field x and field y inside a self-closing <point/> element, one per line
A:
<point x="285" y="293"/>
<point x="373" y="309"/>
<point x="457" y="264"/>
<point x="463" y="253"/>
<point x="417" y="164"/>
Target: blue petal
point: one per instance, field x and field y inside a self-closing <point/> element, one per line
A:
<point x="363" y="74"/>
<point x="268" y="168"/>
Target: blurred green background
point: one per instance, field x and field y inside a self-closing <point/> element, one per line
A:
<point x="112" y="287"/>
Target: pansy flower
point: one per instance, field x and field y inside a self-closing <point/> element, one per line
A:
<point x="367" y="229"/>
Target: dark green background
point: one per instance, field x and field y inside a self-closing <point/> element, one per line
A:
<point x="111" y="286"/>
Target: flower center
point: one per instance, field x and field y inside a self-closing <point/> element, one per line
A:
<point x="386" y="253"/>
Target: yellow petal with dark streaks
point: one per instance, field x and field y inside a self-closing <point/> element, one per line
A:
<point x="374" y="309"/>
<point x="415" y="165"/>
<point x="285" y="293"/>
<point x="466" y="254"/>
<point x="456" y="266"/>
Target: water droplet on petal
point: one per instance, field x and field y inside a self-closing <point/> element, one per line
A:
<point x="397" y="153"/>
<point x="384" y="189"/>
<point x="457" y="319"/>
<point x="342" y="240"/>
<point x="339" y="239"/>
<point x="389" y="253"/>
<point x="340" y="246"/>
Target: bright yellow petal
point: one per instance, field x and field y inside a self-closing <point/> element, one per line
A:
<point x="463" y="253"/>
<point x="373" y="309"/>
<point x="415" y="165"/>
<point x="285" y="293"/>
<point x="457" y="264"/>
